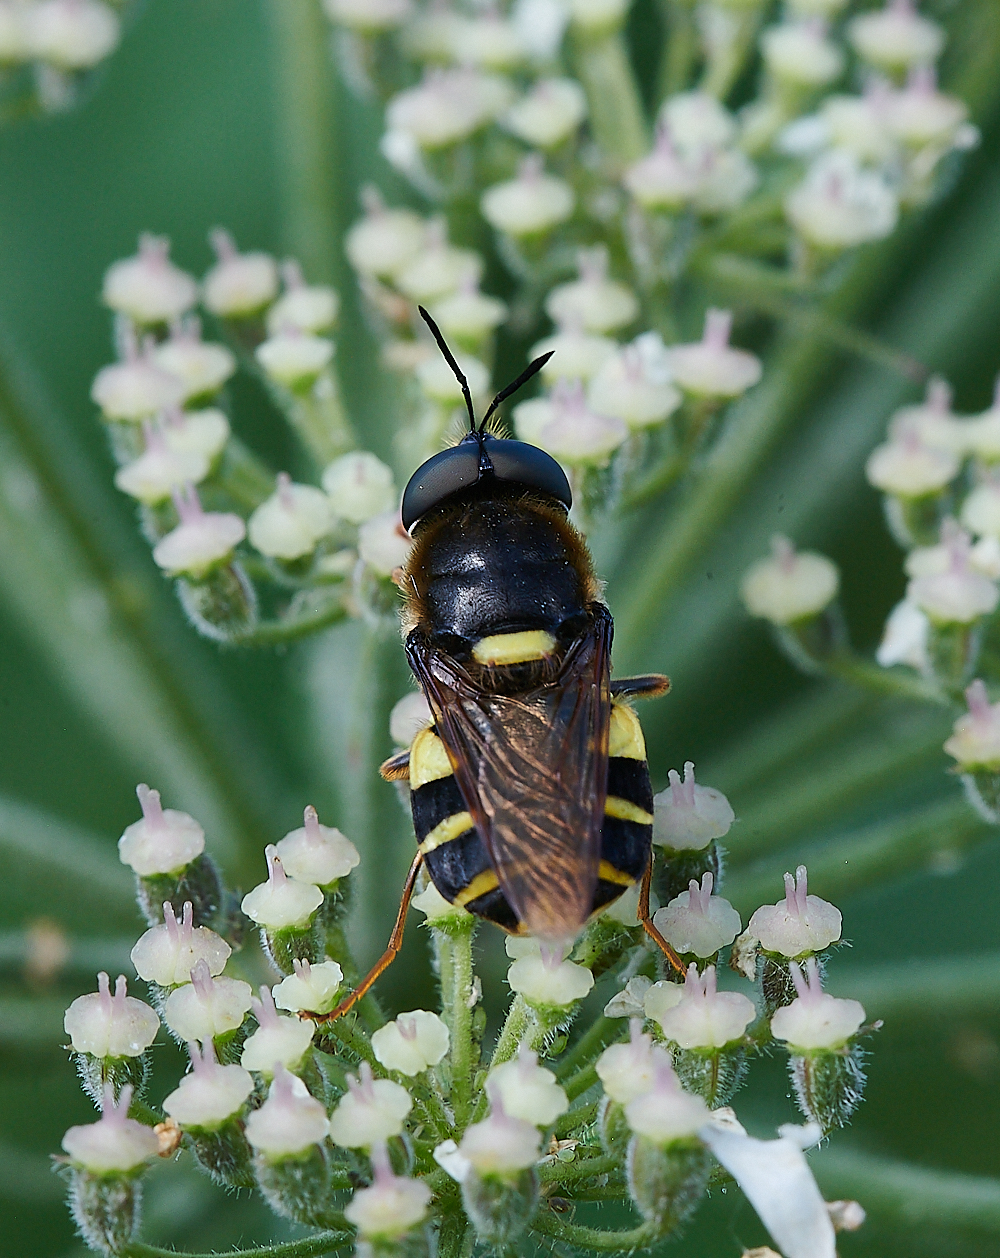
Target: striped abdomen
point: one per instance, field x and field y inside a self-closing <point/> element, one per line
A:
<point x="456" y="858"/>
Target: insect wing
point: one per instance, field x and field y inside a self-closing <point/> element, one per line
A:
<point x="532" y="769"/>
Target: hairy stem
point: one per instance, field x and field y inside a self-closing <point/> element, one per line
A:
<point x="307" y="1247"/>
<point x="593" y="1238"/>
<point x="455" y="962"/>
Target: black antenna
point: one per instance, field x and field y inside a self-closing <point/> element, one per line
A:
<point x="449" y="358"/>
<point x="513" y="387"/>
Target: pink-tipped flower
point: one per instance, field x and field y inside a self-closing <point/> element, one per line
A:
<point x="789" y="585"/>
<point x="500" y="1146"/>
<point x="896" y="37"/>
<point x="201" y="541"/>
<point x="359" y="486"/>
<point x="210" y="1094"/>
<point x="529" y="205"/>
<point x="165" y="841"/>
<point x="371" y="1111"/>
<point x="167" y="954"/>
<point x="437" y="268"/>
<point x="800" y="54"/>
<point x="148" y="287"/>
<point x="294" y="358"/>
<point x="697" y="921"/>
<point x="383" y="543"/>
<point x="289" y="524"/>
<point x="281" y="903"/>
<point x="277" y="1040"/>
<point x="202" y="432"/>
<point x="705" y="1017"/>
<point x="549" y="113"/>
<point x="635" y="385"/>
<point x="304" y="307"/>
<point x="686" y="816"/>
<point x="316" y="853"/>
<point x="841" y="204"/>
<point x="664" y="179"/>
<point x="798" y="924"/>
<point x="107" y="1025"/>
<point x="310" y="988"/>
<point x="528" y="1090"/>
<point x="392" y="1205"/>
<point x="207" y="1006"/>
<point x="958" y="595"/>
<point x="408" y="717"/>
<point x="384" y="241"/>
<point x="202" y="366"/>
<point x="116" y="1143"/>
<point x="411" y="1043"/>
<point x="933" y="420"/>
<point x="711" y="367"/>
<point x="545" y="979"/>
<point x="815" y="1020"/>
<point x="595" y="302"/>
<point x="629" y="1070"/>
<point x="136" y="388"/>
<point x="666" y="1113"/>
<point x="160" y="471"/>
<point x="975" y="741"/>
<point x="240" y="284"/>
<point x="289" y="1122"/>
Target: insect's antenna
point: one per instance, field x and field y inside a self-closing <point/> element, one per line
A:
<point x="513" y="387"/>
<point x="449" y="358"/>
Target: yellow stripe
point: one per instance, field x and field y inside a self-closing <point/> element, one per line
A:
<point x="608" y="872"/>
<point x="428" y="760"/>
<point x="625" y="810"/>
<point x="486" y="881"/>
<point x="447" y="830"/>
<point x="625" y="735"/>
<point x="514" y="648"/>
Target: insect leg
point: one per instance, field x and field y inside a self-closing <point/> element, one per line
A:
<point x="647" y="921"/>
<point x="649" y="686"/>
<point x="387" y="957"/>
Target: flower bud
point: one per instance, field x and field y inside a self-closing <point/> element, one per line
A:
<point x="281" y="903"/>
<point x="148" y="288"/>
<point x="165" y="841"/>
<point x="408" y="717"/>
<point x="294" y="358"/>
<point x="799" y="924"/>
<point x="495" y="1166"/>
<point x="359" y="485"/>
<point x="661" y="997"/>
<point x="909" y="469"/>
<point x="383" y="543"/>
<point x="704" y="1017"/>
<point x="628" y="1003"/>
<point x="240" y="284"/>
<point x="439" y="911"/>
<point x="799" y="54"/>
<point x="370" y="1112"/>
<point x="210" y="1094"/>
<point x="202" y="541"/>
<point x="529" y="205"/>
<point x="628" y="1071"/>
<point x="549" y="113"/>
<point x="711" y="367"/>
<point x="310" y="988"/>
<point x="437" y="268"/>
<point x="159" y="471"/>
<point x="840" y="205"/>
<point x="958" y="595"/>
<point x="789" y="586"/>
<point x="546" y="982"/>
<point x="448" y="106"/>
<point x="196" y="432"/>
<point x="664" y="179"/>
<point x="686" y="816"/>
<point x="370" y="17"/>
<point x="72" y="34"/>
<point x="814" y="1019"/>
<point x="727" y="179"/>
<point x="568" y="429"/>
<point x="277" y="1041"/>
<point x="116" y="1144"/>
<point x="975" y="741"/>
<point x="527" y="1090"/>
<point x="391" y="1206"/>
<point x="316" y="853"/>
<point x="203" y="367"/>
<point x="468" y="316"/>
<point x="206" y="1007"/>
<point x="500" y="1146"/>
<point x="438" y="381"/>
<point x="167" y="954"/>
<point x="110" y="1026"/>
<point x="135" y="389"/>
<point x="289" y="1121"/>
<point x="289" y="524"/>
<point x="302" y="307"/>
<point x="905" y="637"/>
<point x="697" y="922"/>
<point x="932" y="421"/>
<point x="634" y="385"/>
<point x="593" y="302"/>
<point x="412" y="1043"/>
<point x="384" y="241"/>
<point x="895" y="37"/>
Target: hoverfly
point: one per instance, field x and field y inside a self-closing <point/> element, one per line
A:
<point x="530" y="791"/>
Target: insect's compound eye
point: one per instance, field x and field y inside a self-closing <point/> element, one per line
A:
<point x="459" y="468"/>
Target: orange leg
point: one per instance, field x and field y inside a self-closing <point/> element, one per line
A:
<point x="647" y="921"/>
<point x="387" y="957"/>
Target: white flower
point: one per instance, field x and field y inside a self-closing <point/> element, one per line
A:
<point x="895" y="37"/>
<point x="839" y="204"/>
<point x="439" y="382"/>
<point x="372" y="1110"/>
<point x="447" y="1156"/>
<point x="500" y="1145"/>
<point x="981" y="510"/>
<point x="665" y="179"/>
<point x="666" y="1113"/>
<point x="114" y="1143"/>
<point x="661" y="997"/>
<point x="201" y="541"/>
<point x="207" y="1006"/>
<point x="163" y="842"/>
<point x="593" y="302"/>
<point x="438" y="268"/>
<point x="625" y="908"/>
<point x="359" y="485"/>
<point x="392" y="1205"/>
<point x="281" y="903"/>
<point x="384" y="240"/>
<point x="542" y="24"/>
<point x="488" y="41"/>
<point x="627" y="1071"/>
<point x="159" y="471"/>
<point x="240" y="284"/>
<point x="210" y="1094"/>
<point x="148" y="287"/>
<point x="527" y="1090"/>
<point x="304" y="307"/>
<point x="814" y="1019"/>
<point x="932" y="421"/>
<point x="434" y="906"/>
<point x="982" y="432"/>
<point x="545" y="980"/>
<point x="368" y="16"/>
<point x="799" y="923"/>
<point x="790" y="585"/>
<point x="135" y="389"/>
<point x="686" y="816"/>
<point x="975" y="740"/>
<point x="383" y="543"/>
<point x="550" y="112"/>
<point x="799" y="53"/>
<point x="921" y="115"/>
<point x="576" y="355"/>
<point x="697" y="921"/>
<point x="705" y="1017"/>
<point x="958" y="594"/>
<point x="277" y="1041"/>
<point x="294" y="358"/>
<point x="316" y="853"/>
<point x="202" y="366"/>
<point x="408" y="717"/>
<point x="857" y="124"/>
<point x="196" y="432"/>
<point x="628" y="1003"/>
<point x="904" y="639"/>
<point x="726" y="180"/>
<point x="469" y="315"/>
<point x="909" y="469"/>
<point x="310" y="988"/>
<point x="448" y="106"/>
<point x="289" y="1121"/>
<point x="167" y="954"/>
<point x="567" y="428"/>
<point x="412" y="1043"/>
<point x="635" y="385"/>
<point x="290" y="523"/>
<point x="698" y="122"/>
<point x="777" y="1181"/>
<point x="529" y="205"/>
<point x="711" y="367"/>
<point x="110" y="1026"/>
<point x="72" y="34"/>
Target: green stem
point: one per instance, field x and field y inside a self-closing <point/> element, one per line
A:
<point x="317" y="416"/>
<point x="725" y="63"/>
<point x="307" y="1247"/>
<point x="278" y="632"/>
<point x="517" y="1028"/>
<point x="595" y="1039"/>
<point x="454" y="949"/>
<point x="682" y="46"/>
<point x="616" y="118"/>
<point x="884" y="681"/>
<point x="578" y="1118"/>
<point x="578" y="1083"/>
<point x="583" y="1168"/>
<point x="593" y="1238"/>
<point x="244" y="477"/>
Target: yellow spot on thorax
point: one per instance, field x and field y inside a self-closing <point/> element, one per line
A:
<point x="428" y="759"/>
<point x="625" y="736"/>
<point x="514" y="648"/>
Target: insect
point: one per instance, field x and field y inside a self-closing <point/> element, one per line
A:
<point x="530" y="791"/>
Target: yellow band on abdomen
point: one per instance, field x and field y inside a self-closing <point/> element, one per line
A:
<point x="608" y="873"/>
<point x="486" y="881"/>
<point x="514" y="648"/>
<point x="625" y="810"/>
<point x="447" y="830"/>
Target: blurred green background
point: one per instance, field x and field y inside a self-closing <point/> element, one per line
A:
<point x="103" y="685"/>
